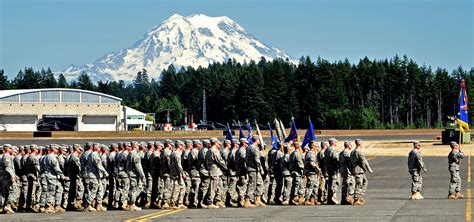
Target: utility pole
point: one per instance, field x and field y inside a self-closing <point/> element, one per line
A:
<point x="204" y="117"/>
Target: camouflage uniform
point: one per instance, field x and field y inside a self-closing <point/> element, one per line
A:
<point x="94" y="172"/>
<point x="296" y="168"/>
<point x="186" y="170"/>
<point x="135" y="174"/>
<point x="203" y="196"/>
<point x="52" y="172"/>
<point x="65" y="167"/>
<point x="155" y="168"/>
<point x="287" y="179"/>
<point x="75" y="176"/>
<point x="323" y="191"/>
<point x="194" y="174"/>
<point x="347" y="188"/>
<point x="277" y="172"/>
<point x="7" y="174"/>
<point x="312" y="172"/>
<point x="271" y="186"/>
<point x="415" y="165"/>
<point x="176" y="175"/>
<point x="147" y="170"/>
<point x="215" y="164"/>
<point x="112" y="175"/>
<point x="241" y="168"/>
<point x="360" y="165"/>
<point x="454" y="159"/>
<point x="123" y="182"/>
<point x="231" y="194"/>
<point x="165" y="175"/>
<point x="224" y="153"/>
<point x="24" y="179"/>
<point x="332" y="166"/>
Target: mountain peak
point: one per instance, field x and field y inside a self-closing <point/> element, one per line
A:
<point x="195" y="40"/>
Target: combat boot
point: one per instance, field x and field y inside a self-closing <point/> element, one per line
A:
<point x="134" y="208"/>
<point x="220" y="204"/>
<point x="419" y="196"/>
<point x="212" y="206"/>
<point x="49" y="209"/>
<point x="301" y="200"/>
<point x="8" y="209"/>
<point x="295" y="200"/>
<point x="59" y="209"/>
<point x="181" y="206"/>
<point x="124" y="206"/>
<point x="459" y="196"/>
<point x="100" y="207"/>
<point x="165" y="205"/>
<point x="452" y="196"/>
<point x="248" y="204"/>
<point x="258" y="202"/>
<point x="285" y="201"/>
<point x="358" y="202"/>
<point x="90" y="209"/>
<point x="147" y="205"/>
<point x="349" y="199"/>
<point x="242" y="202"/>
<point x="14" y="207"/>
<point x="41" y="209"/>
<point x="78" y="205"/>
<point x="414" y="196"/>
<point x="35" y="208"/>
<point x="308" y="203"/>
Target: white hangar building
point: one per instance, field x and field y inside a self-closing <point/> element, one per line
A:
<point x="59" y="109"/>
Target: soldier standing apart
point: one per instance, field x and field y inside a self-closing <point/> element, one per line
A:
<point x="360" y="166"/>
<point x="415" y="165"/>
<point x="136" y="175"/>
<point x="312" y="172"/>
<point x="216" y="165"/>
<point x="347" y="189"/>
<point x="332" y="166"/>
<point x="454" y="160"/>
<point x="177" y="177"/>
<point x="194" y="173"/>
<point x="255" y="172"/>
<point x="296" y="169"/>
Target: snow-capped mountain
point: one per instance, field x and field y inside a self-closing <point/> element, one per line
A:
<point x="196" y="40"/>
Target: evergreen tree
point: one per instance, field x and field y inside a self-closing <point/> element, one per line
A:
<point x="84" y="82"/>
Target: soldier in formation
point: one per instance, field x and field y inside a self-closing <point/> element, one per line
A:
<point x="192" y="174"/>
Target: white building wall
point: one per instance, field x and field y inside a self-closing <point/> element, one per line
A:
<point x="97" y="123"/>
<point x="18" y="122"/>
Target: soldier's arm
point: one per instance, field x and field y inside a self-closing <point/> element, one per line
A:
<point x="420" y="162"/>
<point x="220" y="161"/>
<point x="365" y="163"/>
<point x="138" y="166"/>
<point x="257" y="159"/>
<point x="180" y="167"/>
<point x="9" y="168"/>
<point x="56" y="167"/>
<point x="314" y="163"/>
<point x="97" y="161"/>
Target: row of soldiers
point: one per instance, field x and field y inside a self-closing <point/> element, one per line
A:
<point x="180" y="174"/>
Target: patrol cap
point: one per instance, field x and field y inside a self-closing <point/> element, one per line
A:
<point x="325" y="143"/>
<point x="158" y="143"/>
<point x="77" y="146"/>
<point x="453" y="144"/>
<point x="416" y="143"/>
<point x="33" y="146"/>
<point x="347" y="143"/>
<point x="104" y="147"/>
<point x="97" y="144"/>
<point x="64" y="148"/>
<point x="15" y="149"/>
<point x="134" y="143"/>
<point x="332" y="140"/>
<point x="112" y="145"/>
<point x="89" y="143"/>
<point x="151" y="143"/>
<point x="226" y="141"/>
<point x="189" y="142"/>
<point x="206" y="142"/>
<point x="255" y="137"/>
<point x="296" y="143"/>
<point x="21" y="147"/>
<point x="119" y="144"/>
<point x="358" y="141"/>
<point x="235" y="141"/>
<point x="243" y="140"/>
<point x="215" y="140"/>
<point x="7" y="145"/>
<point x="168" y="141"/>
<point x="127" y="144"/>
<point x="195" y="142"/>
<point x="179" y="142"/>
<point x="142" y="143"/>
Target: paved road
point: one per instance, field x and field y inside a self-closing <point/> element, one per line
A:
<point x="45" y="141"/>
<point x="387" y="200"/>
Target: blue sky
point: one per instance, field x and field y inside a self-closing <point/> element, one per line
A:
<point x="57" y="33"/>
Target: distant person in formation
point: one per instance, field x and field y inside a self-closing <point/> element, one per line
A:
<point x="454" y="160"/>
<point x="415" y="166"/>
<point x="312" y="172"/>
<point x="360" y="166"/>
<point x="254" y="172"/>
<point x="347" y="188"/>
<point x="332" y="166"/>
<point x="296" y="169"/>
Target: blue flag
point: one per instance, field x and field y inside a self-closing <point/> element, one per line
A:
<point x="463" y="119"/>
<point x="241" y="133"/>
<point x="309" y="134"/>
<point x="293" y="132"/>
<point x="228" y="135"/>
<point x="249" y="128"/>
<point x="273" y="137"/>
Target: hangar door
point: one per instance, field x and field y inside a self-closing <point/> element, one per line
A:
<point x="18" y="122"/>
<point x="98" y="123"/>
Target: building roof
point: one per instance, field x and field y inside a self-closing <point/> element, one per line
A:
<point x="12" y="92"/>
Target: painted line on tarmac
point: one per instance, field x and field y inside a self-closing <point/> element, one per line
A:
<point x="159" y="215"/>
<point x="147" y="217"/>
<point x="468" y="204"/>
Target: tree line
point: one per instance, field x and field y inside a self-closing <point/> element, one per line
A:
<point x="391" y="93"/>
